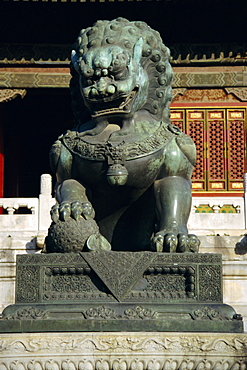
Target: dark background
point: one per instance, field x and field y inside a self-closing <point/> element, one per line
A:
<point x="195" y="21"/>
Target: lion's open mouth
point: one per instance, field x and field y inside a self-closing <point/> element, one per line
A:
<point x="121" y="105"/>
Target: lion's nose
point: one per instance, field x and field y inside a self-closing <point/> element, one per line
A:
<point x="101" y="72"/>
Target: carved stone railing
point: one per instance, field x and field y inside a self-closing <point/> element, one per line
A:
<point x="19" y="221"/>
<point x="28" y="214"/>
<point x="221" y="213"/>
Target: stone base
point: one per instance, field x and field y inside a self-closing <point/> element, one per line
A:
<point x="123" y="351"/>
<point x="119" y="291"/>
<point x="120" y="317"/>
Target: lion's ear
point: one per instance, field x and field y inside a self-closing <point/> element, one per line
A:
<point x="138" y="50"/>
<point x="74" y="60"/>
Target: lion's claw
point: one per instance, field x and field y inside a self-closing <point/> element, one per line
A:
<point x="76" y="210"/>
<point x="55" y="213"/>
<point x="194" y="243"/>
<point x="183" y="243"/>
<point x="176" y="243"/>
<point x="170" y="243"/>
<point x="158" y="242"/>
<point x="64" y="211"/>
<point x="87" y="210"/>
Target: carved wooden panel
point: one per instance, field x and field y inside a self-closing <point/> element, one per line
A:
<point x="192" y="123"/>
<point x="236" y="148"/>
<point x="219" y="136"/>
<point x="216" y="166"/>
<point x="196" y="130"/>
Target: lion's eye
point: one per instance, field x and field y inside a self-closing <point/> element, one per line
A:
<point x="118" y="68"/>
<point x="86" y="71"/>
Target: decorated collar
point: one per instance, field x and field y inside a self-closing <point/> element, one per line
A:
<point x="123" y="151"/>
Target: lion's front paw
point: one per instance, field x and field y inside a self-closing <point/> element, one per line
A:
<point x="176" y="243"/>
<point x="75" y="210"/>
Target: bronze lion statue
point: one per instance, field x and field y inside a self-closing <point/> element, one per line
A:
<point x="123" y="173"/>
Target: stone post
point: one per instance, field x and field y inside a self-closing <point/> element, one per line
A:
<point x="45" y="203"/>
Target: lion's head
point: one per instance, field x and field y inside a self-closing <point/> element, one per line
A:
<point x="120" y="67"/>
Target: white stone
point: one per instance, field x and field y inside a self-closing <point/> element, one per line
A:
<point x="123" y="351"/>
<point x="216" y="220"/>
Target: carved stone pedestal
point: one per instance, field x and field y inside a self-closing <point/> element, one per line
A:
<point x="119" y="291"/>
<point x="123" y="351"/>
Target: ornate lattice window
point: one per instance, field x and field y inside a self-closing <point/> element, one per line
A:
<point x="220" y="141"/>
<point x="195" y="128"/>
<point x="236" y="147"/>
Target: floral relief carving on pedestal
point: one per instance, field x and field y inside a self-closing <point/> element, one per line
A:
<point x="133" y="344"/>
